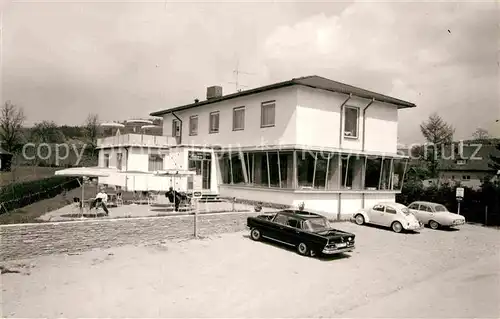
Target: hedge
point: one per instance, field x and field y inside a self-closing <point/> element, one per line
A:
<point x="474" y="206"/>
<point x="17" y="195"/>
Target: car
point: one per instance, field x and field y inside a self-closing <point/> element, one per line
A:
<point x="388" y="214"/>
<point x="435" y="215"/>
<point x="308" y="232"/>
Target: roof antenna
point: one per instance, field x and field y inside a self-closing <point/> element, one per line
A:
<point x="236" y="74"/>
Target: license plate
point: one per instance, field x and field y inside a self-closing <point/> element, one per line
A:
<point x="342" y="245"/>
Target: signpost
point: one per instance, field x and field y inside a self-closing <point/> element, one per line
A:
<point x="196" y="196"/>
<point x="459" y="195"/>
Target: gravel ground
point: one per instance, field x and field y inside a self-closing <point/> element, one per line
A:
<point x="445" y="274"/>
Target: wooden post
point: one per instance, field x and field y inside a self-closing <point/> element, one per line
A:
<point x="195" y="217"/>
<point x="486" y="216"/>
<point x="279" y="168"/>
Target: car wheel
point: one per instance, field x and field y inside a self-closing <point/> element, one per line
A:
<point x="433" y="224"/>
<point x="302" y="249"/>
<point x="397" y="227"/>
<point x="359" y="219"/>
<point x="255" y="234"/>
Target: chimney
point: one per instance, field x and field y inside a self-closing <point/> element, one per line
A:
<point x="214" y="92"/>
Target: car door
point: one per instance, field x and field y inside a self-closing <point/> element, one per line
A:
<point x="389" y="215"/>
<point x="425" y="213"/>
<point x="376" y="214"/>
<point x="276" y="229"/>
<point x="293" y="231"/>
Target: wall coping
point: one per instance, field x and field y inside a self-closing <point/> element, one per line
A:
<point x="123" y="219"/>
<point x="301" y="191"/>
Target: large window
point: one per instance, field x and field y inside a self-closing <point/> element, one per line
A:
<point x="237" y="169"/>
<point x="316" y="170"/>
<point x="399" y="173"/>
<point x="267" y="115"/>
<point x="347" y="171"/>
<point x="305" y="169"/>
<point x="214" y="122"/>
<point x="224" y="168"/>
<point x="372" y="174"/>
<point x="193" y="125"/>
<point x="351" y="116"/>
<point x="239" y="118"/>
<point x="155" y="163"/>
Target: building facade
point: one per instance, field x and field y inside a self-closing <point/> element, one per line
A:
<point x="312" y="140"/>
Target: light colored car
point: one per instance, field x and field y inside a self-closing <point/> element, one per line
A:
<point x="435" y="215"/>
<point x="394" y="215"/>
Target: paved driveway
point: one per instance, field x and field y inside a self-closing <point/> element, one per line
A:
<point x="431" y="274"/>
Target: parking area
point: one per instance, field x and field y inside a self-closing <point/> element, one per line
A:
<point x="438" y="274"/>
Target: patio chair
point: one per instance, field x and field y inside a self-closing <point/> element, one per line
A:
<point x="77" y="204"/>
<point x="119" y="199"/>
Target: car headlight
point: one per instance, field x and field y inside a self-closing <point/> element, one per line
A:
<point x="349" y="239"/>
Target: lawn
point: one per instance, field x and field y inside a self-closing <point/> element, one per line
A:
<point x="26" y="173"/>
<point x="30" y="213"/>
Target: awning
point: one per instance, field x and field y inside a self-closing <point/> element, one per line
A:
<point x="169" y="172"/>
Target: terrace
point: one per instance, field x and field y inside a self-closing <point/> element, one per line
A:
<point x="136" y="140"/>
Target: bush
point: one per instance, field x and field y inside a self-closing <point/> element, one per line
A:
<point x="473" y="207"/>
<point x="17" y="195"/>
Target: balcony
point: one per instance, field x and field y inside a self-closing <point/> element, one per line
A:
<point x="136" y="140"/>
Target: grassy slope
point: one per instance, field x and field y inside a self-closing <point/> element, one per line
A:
<point x="30" y="213"/>
<point x="26" y="173"/>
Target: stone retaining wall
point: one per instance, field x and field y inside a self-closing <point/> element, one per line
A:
<point x="30" y="240"/>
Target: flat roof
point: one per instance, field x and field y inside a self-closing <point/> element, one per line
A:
<point x="312" y="81"/>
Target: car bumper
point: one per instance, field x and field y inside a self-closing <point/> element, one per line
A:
<point x="332" y="251"/>
<point x="456" y="224"/>
<point x="415" y="227"/>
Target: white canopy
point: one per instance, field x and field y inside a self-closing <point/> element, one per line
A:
<point x="86" y="171"/>
<point x="177" y="172"/>
<point x="170" y="172"/>
<point x="112" y="124"/>
<point x="139" y="121"/>
<point x="145" y="127"/>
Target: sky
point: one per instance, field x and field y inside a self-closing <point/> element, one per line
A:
<point x="64" y="60"/>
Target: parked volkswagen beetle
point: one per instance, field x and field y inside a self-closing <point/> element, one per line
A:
<point x="435" y="215"/>
<point x="394" y="215"/>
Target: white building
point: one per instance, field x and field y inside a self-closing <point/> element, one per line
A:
<point x="327" y="144"/>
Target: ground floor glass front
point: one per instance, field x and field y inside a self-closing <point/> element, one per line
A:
<point x="311" y="170"/>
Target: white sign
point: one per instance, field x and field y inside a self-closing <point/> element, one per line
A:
<point x="196" y="194"/>
<point x="460" y="192"/>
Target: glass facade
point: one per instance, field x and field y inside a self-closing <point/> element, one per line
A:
<point x="311" y="170"/>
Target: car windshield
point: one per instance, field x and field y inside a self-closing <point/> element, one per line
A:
<point x="405" y="211"/>
<point x="440" y="208"/>
<point x="317" y="224"/>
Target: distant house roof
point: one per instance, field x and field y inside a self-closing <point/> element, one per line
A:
<point x="4" y="152"/>
<point x="312" y="81"/>
<point x="474" y="158"/>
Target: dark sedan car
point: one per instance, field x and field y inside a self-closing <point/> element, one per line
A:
<point x="308" y="232"/>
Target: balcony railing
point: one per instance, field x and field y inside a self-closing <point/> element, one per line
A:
<point x="136" y="139"/>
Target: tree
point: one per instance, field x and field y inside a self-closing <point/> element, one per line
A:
<point x="91" y="129"/>
<point x="47" y="132"/>
<point x="11" y="126"/>
<point x="437" y="134"/>
<point x="480" y="134"/>
<point x="495" y="160"/>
